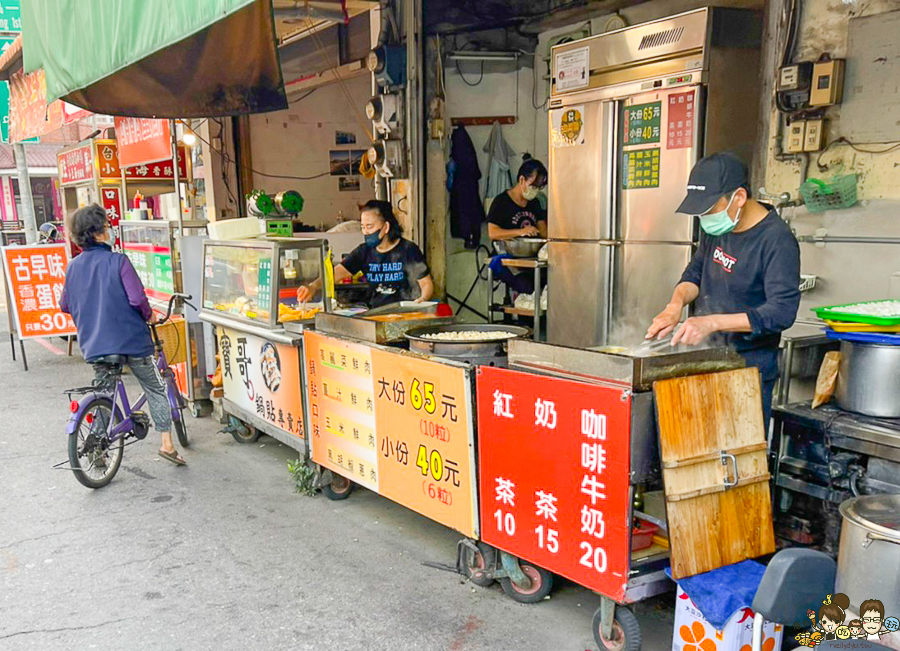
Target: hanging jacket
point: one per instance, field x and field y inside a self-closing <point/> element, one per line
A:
<point x="499" y="178"/>
<point x="466" y="210"/>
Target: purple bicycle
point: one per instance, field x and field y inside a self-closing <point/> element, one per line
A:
<point x="104" y="419"/>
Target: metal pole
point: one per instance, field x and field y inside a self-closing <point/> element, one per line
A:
<point x="27" y="202"/>
<point x="177" y="176"/>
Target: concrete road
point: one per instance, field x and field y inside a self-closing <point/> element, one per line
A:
<point x="222" y="554"/>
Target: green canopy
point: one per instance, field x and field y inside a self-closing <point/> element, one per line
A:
<point x="156" y="58"/>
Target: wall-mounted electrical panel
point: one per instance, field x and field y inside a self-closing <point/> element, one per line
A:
<point x="827" y="82"/>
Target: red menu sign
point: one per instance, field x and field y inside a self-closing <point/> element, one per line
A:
<point x="75" y="165"/>
<point x="680" y="121"/>
<point x="142" y="141"/>
<point x="35" y="276"/>
<point x="110" y="170"/>
<point x="554" y="475"/>
<point x="112" y="204"/>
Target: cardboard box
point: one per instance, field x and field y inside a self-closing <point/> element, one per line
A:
<point x="693" y="633"/>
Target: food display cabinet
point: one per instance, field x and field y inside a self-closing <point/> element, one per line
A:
<point x="250" y="294"/>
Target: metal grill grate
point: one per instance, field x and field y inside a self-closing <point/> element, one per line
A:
<point x="666" y="37"/>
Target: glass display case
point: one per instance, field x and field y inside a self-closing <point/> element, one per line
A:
<point x="151" y="247"/>
<point x="256" y="281"/>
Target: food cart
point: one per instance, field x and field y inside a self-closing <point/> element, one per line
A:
<point x="90" y="173"/>
<point x="169" y="263"/>
<point x="568" y="508"/>
<point x="249" y="294"/>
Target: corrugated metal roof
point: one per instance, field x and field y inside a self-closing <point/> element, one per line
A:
<point x="13" y="53"/>
<point x="37" y="155"/>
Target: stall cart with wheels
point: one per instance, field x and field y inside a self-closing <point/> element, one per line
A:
<point x="168" y="263"/>
<point x="250" y="296"/>
<point x="566" y="439"/>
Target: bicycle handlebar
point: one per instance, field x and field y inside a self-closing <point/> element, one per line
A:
<point x="184" y="299"/>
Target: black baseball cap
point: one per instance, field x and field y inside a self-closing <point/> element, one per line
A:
<point x="713" y="177"/>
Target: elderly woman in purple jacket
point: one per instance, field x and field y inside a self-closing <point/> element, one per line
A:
<point x="107" y="302"/>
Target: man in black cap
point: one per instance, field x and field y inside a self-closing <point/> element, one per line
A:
<point x="744" y="278"/>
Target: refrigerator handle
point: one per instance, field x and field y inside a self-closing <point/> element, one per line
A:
<point x="609" y="291"/>
<point x="609" y="169"/>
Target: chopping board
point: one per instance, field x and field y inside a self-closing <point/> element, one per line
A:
<point x="715" y="472"/>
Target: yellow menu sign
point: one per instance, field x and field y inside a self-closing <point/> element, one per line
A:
<point x="397" y="424"/>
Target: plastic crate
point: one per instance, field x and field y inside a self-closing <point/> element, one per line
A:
<point x="820" y="195"/>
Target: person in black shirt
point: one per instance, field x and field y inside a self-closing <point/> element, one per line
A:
<point x="744" y="278"/>
<point x="518" y="213"/>
<point x="394" y="267"/>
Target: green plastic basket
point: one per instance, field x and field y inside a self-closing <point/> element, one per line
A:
<point x="820" y="195"/>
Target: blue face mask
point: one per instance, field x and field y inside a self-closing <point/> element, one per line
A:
<point x="373" y="239"/>
<point x="719" y="223"/>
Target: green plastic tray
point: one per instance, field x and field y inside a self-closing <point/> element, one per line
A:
<point x="836" y="313"/>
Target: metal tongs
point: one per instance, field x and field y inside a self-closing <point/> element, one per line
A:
<point x="653" y="345"/>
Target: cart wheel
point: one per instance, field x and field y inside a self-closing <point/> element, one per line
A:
<point x="201" y="408"/>
<point x="626" y="632"/>
<point x="478" y="562"/>
<point x="247" y="434"/>
<point x="339" y="488"/>
<point x="541" y="584"/>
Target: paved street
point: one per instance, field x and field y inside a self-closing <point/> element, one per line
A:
<point x="223" y="555"/>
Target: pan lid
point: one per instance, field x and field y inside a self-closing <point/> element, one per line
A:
<point x="878" y="512"/>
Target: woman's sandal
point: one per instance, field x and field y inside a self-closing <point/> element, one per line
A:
<point x="173" y="456"/>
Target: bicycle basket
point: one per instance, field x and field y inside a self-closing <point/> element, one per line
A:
<point x="173" y="336"/>
<point x="820" y="195"/>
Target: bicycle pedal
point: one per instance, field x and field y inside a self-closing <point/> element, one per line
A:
<point x="141" y="424"/>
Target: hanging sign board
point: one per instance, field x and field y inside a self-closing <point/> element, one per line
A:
<point x="142" y="141"/>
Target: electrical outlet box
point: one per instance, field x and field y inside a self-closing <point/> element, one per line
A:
<point x="814" y="139"/>
<point x="795" y="77"/>
<point x="827" y="83"/>
<point x="795" y="137"/>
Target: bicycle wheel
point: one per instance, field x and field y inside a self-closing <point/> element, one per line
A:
<point x="178" y="423"/>
<point x="95" y="459"/>
<point x="181" y="430"/>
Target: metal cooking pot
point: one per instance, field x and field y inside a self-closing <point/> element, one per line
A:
<point x="869" y="551"/>
<point x="869" y="379"/>
<point x="485" y="352"/>
<point x="524" y="247"/>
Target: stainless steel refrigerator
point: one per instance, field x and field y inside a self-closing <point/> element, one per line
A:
<point x="631" y="111"/>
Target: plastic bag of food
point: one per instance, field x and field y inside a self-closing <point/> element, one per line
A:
<point x="827" y="378"/>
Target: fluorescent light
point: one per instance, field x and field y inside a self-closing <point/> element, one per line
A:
<point x="474" y="55"/>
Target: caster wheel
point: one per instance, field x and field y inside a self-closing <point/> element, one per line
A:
<point x="541" y="584"/>
<point x="245" y="434"/>
<point x="626" y="632"/>
<point x="339" y="488"/>
<point x="201" y="409"/>
<point x="477" y="562"/>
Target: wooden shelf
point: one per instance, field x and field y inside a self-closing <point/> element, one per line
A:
<point x="524" y="263"/>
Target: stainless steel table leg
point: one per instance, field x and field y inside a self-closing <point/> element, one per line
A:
<point x="537" y="303"/>
<point x="784" y="386"/>
<point x="490" y="293"/>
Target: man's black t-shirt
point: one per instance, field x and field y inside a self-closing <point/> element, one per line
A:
<point x="505" y="213"/>
<point x="393" y="275"/>
<point x="756" y="272"/>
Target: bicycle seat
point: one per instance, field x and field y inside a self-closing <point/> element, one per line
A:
<point x="111" y="360"/>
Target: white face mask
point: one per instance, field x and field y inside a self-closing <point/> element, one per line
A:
<point x="530" y="192"/>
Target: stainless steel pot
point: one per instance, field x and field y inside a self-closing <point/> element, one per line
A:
<point x="485" y="352"/>
<point x="869" y="551"/>
<point x="869" y="379"/>
<point x="524" y="247"/>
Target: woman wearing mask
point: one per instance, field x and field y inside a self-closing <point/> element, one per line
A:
<point x="394" y="267"/>
<point x="518" y="213"/>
